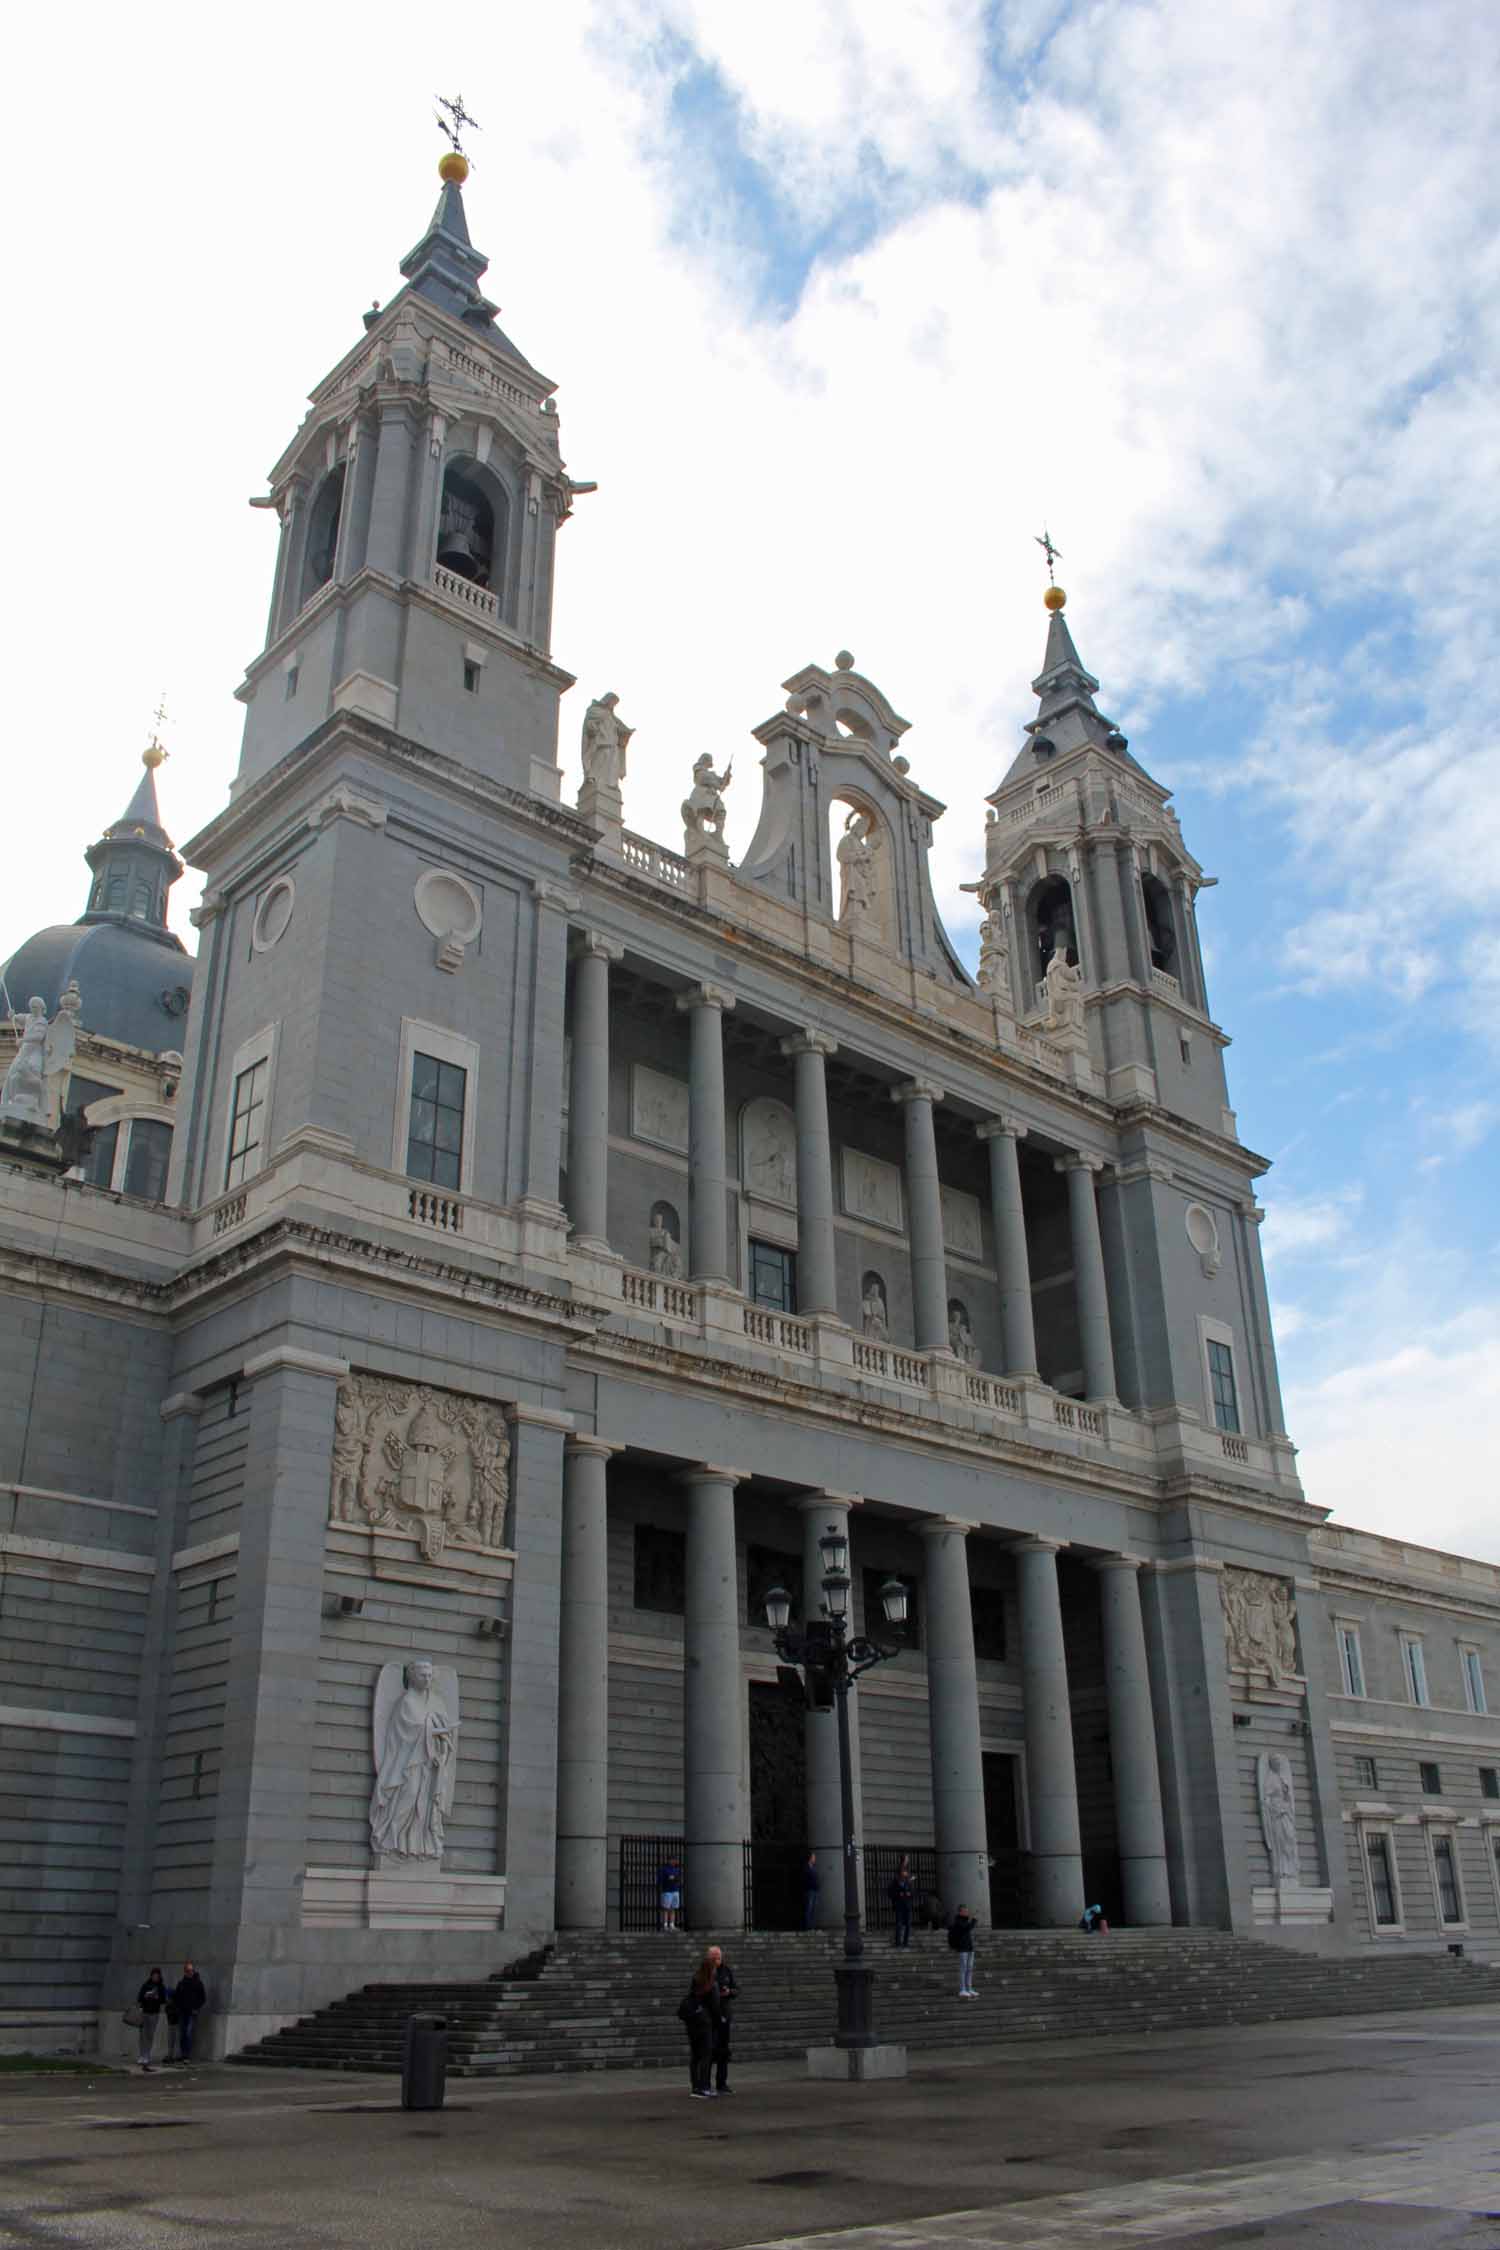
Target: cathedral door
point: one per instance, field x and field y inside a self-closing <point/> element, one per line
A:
<point x="1009" y="1886"/>
<point x="778" y="1807"/>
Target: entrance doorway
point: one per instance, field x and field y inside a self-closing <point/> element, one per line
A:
<point x="778" y="1807"/>
<point x="1010" y="1902"/>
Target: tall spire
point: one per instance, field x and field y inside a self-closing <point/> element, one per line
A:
<point x="133" y="863"/>
<point x="1067" y="715"/>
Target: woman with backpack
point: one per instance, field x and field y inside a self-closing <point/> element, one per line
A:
<point x="698" y="2013"/>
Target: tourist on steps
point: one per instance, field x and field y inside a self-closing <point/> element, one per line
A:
<point x="724" y="1978"/>
<point x="151" y="2000"/>
<point x="668" y="1894"/>
<point x="698" y="2012"/>
<point x="961" y="1938"/>
<point x="902" y="1894"/>
<point x="1092" y="1920"/>
<point x="811" y="1884"/>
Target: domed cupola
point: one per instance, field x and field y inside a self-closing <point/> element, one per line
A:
<point x="134" y="975"/>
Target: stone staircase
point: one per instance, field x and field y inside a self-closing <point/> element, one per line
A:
<point x="600" y="2001"/>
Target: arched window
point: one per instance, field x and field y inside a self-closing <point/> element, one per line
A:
<point x="1161" y="928"/>
<point x="473" y="526"/>
<point x="323" y="531"/>
<point x="1049" y="914"/>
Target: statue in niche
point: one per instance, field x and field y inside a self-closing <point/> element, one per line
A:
<point x="994" y="957"/>
<point x="416" y="1758"/>
<point x="961" y="1334"/>
<point x="703" y="810"/>
<point x="24" y="1095"/>
<point x="858" y="874"/>
<point x="426" y="1462"/>
<point x="1064" y="983"/>
<point x="604" y="739"/>
<point x="1260" y="1629"/>
<point x="1278" y="1815"/>
<point x="874" y="1319"/>
<point x="665" y="1241"/>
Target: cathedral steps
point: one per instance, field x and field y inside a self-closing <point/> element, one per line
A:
<point x="598" y="2001"/>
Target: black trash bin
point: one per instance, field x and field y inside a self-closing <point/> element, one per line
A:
<point x="424" y="2062"/>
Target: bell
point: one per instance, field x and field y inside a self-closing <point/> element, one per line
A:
<point x="458" y="551"/>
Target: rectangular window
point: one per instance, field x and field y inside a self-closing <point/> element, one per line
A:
<point x="1366" y="1773"/>
<point x="471" y="677"/>
<point x="1416" y="1670"/>
<point x="1445" y="1867"/>
<point x="1351" y="1663"/>
<point x="247" y="1123"/>
<point x="1473" y="1670"/>
<point x="1221" y="1377"/>
<point x="1382" y="1881"/>
<point x="435" y="1128"/>
<point x="660" y="1570"/>
<point x="1431" y="1778"/>
<point x="98" y="1166"/>
<point x="291" y="682"/>
<point x="987" y="1606"/>
<point x="1489" y="1781"/>
<point x="773" y="1277"/>
<point x="147" y="1157"/>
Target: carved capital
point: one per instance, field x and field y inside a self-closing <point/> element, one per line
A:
<point x="1132" y="1563"/>
<point x="1001" y="1128"/>
<point x="931" y="1526"/>
<point x="1077" y="1160"/>
<point x="704" y="996"/>
<point x="810" y="1043"/>
<point x="814" y="1503"/>
<point x="595" y="943"/>
<point x="595" y="1448"/>
<point x="1037" y="1545"/>
<point x="556" y="897"/>
<point x="917" y="1090"/>
<point x="706" y="1472"/>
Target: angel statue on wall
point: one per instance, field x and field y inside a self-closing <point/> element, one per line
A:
<point x="416" y="1749"/>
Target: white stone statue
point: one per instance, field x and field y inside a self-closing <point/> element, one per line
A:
<point x="961" y="1335"/>
<point x="873" y="1317"/>
<point x="1064" y="982"/>
<point x="416" y="1759"/>
<point x="666" y="1252"/>
<point x="994" y="957"/>
<point x="23" y="1099"/>
<point x="703" y="811"/>
<point x="858" y="873"/>
<point x="604" y="741"/>
<point x="62" y="1045"/>
<point x="1278" y="1815"/>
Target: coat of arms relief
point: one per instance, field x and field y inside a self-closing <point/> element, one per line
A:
<point x="426" y="1462"/>
<point x="1260" y="1625"/>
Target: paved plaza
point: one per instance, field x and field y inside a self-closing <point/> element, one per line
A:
<point x="1367" y="2131"/>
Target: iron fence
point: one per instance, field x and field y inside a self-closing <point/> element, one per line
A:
<point x="881" y="1862"/>
<point x="642" y="1859"/>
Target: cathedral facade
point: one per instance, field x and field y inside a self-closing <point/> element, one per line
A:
<point x="436" y="1318"/>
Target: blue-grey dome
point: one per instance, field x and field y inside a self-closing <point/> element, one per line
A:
<point x="134" y="977"/>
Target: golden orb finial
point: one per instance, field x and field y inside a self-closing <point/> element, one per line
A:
<point x="153" y="755"/>
<point x="453" y="167"/>
<point x="1054" y="598"/>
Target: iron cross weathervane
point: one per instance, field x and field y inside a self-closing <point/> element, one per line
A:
<point x="456" y="120"/>
<point x="1053" y="555"/>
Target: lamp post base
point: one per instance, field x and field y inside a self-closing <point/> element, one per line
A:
<point x="856" y="1989"/>
<point x="856" y="2063"/>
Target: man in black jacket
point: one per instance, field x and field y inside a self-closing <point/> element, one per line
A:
<point x="189" y="1998"/>
<point x="725" y="1979"/>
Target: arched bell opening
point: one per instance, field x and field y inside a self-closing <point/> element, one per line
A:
<point x="473" y="526"/>
<point x="1051" y="922"/>
<point x="1161" y="927"/>
<point x="323" y="531"/>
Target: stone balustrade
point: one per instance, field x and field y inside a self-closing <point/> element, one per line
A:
<point x="464" y="592"/>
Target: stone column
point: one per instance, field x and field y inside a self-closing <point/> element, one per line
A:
<point x="588" y="1102"/>
<point x="1135" y="913"/>
<point x="817" y="1280"/>
<point x="1085" y="936"/>
<point x="1262" y="1343"/>
<point x="386" y="546"/>
<point x="583" y="1689"/>
<point x="708" y="1186"/>
<point x="541" y="1179"/>
<point x="929" y="1267"/>
<point x="1132" y="1743"/>
<point x="359" y="489"/>
<point x="1191" y="976"/>
<point x="1012" y="1262"/>
<point x="713" y="1698"/>
<point x="1114" y="945"/>
<point x="1051" y="1780"/>
<point x="1088" y="1270"/>
<point x="533" y="1653"/>
<point x="825" y="1820"/>
<point x="953" y="1722"/>
<point x="291" y="553"/>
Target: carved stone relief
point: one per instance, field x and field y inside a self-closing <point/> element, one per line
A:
<point x="961" y="1228"/>
<point x="430" y="1463"/>
<point x="768" y="1151"/>
<point x="872" y="1189"/>
<point x="1260" y="1625"/>
<point x="658" y="1108"/>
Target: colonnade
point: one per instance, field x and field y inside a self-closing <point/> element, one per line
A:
<point x="713" y="1736"/>
<point x="708" y="1245"/>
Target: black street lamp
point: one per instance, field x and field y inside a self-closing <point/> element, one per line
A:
<point x="832" y="1660"/>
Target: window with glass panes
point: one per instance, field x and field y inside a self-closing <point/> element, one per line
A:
<point x="1366" y="1773"/>
<point x="1221" y="1376"/>
<point x="1445" y="1866"/>
<point x="1382" y="1881"/>
<point x="773" y="1277"/>
<point x="98" y="1166"/>
<point x="1416" y="1671"/>
<point x="1489" y="1781"/>
<point x="247" y="1123"/>
<point x="1473" y="1680"/>
<point x="1431" y="1778"/>
<point x="435" y="1131"/>
<point x="147" y="1157"/>
<point x="1351" y="1662"/>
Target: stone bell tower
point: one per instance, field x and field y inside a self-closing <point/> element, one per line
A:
<point x="419" y="505"/>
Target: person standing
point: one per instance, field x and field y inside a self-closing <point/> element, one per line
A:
<point x="698" y="2013"/>
<point x="903" y="1893"/>
<point x="961" y="1938"/>
<point x="724" y="1978"/>
<point x="811" y="1884"/>
<point x="189" y="1999"/>
<point x="151" y="2000"/>
<point x="668" y="1894"/>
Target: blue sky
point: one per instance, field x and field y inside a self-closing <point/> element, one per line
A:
<point x="843" y="307"/>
